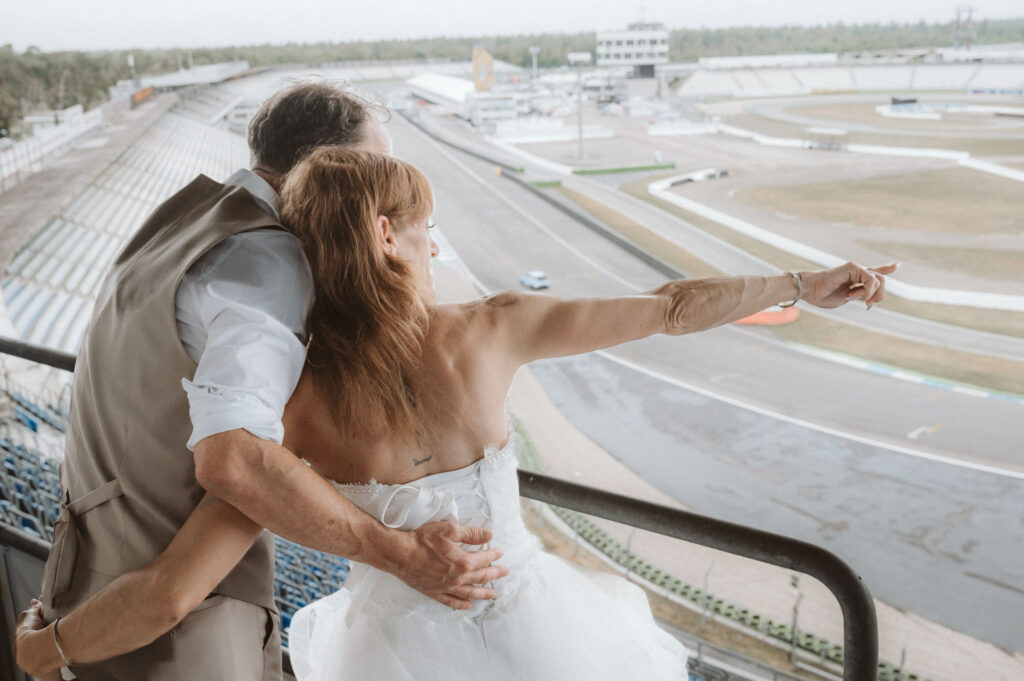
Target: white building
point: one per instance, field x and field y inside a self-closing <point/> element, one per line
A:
<point x="487" y="108"/>
<point x="458" y="96"/>
<point x="641" y="46"/>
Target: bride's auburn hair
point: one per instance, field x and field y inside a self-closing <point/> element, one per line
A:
<point x="368" y="321"/>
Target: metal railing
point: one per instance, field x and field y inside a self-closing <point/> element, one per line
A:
<point x="860" y="627"/>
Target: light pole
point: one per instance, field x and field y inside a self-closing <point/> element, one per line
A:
<point x="901" y="675"/>
<point x="534" y="51"/>
<point x="704" y="600"/>
<point x="796" y="613"/>
<point x="578" y="59"/>
<point x="135" y="77"/>
<point x="576" y="524"/>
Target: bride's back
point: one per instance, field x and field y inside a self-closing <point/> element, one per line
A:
<point x="458" y="398"/>
<point x="397" y="388"/>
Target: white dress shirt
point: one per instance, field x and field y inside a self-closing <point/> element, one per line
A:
<point x="241" y="311"/>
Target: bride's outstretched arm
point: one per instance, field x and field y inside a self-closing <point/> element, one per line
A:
<point x="539" y="326"/>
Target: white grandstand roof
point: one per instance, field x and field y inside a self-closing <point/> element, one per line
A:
<point x="198" y="75"/>
<point x="440" y="89"/>
<point x="765" y="60"/>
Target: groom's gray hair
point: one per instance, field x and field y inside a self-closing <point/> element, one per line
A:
<point x="304" y="116"/>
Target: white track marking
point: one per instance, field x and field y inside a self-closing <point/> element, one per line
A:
<point x="813" y="426"/>
<point x="565" y="244"/>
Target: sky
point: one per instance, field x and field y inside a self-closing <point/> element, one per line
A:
<point x="53" y="25"/>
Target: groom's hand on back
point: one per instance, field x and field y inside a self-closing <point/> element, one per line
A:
<point x="437" y="563"/>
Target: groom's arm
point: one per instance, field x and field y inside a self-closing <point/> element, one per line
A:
<point x="271" y="486"/>
<point x="139" y="606"/>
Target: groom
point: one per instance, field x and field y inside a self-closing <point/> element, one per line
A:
<point x="211" y="294"/>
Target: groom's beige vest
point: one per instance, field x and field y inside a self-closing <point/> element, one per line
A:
<point x="128" y="480"/>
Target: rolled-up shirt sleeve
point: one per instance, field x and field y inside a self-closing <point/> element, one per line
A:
<point x="241" y="314"/>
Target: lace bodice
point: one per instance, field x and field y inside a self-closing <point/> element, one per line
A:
<point x="483" y="494"/>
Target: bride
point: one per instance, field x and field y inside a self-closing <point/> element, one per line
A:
<point x="414" y="393"/>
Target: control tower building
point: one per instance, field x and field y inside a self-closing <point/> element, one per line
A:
<point x="642" y="46"/>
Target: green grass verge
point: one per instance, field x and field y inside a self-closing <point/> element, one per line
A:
<point x="547" y="183"/>
<point x="623" y="169"/>
<point x="650" y="241"/>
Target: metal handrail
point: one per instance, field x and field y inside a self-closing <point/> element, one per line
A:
<point x="860" y="626"/>
<point x="37" y="353"/>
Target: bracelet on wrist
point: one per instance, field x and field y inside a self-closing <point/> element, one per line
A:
<point x="56" y="642"/>
<point x="799" y="289"/>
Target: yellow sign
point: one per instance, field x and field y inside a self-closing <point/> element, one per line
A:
<point x="483" y="69"/>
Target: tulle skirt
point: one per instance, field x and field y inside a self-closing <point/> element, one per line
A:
<point x="554" y="621"/>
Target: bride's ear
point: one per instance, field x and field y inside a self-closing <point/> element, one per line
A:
<point x="386" y="235"/>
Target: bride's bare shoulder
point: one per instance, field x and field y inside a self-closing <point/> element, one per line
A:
<point x="479" y="316"/>
<point x="487" y="310"/>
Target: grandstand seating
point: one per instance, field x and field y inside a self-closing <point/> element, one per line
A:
<point x="826" y="78"/>
<point x="50" y="284"/>
<point x="891" y="78"/>
<point x="752" y="82"/>
<point x="709" y="83"/>
<point x="203" y="103"/>
<point x="781" y="81"/>
<point x="998" y="77"/>
<point x="944" y="77"/>
<point x="748" y="80"/>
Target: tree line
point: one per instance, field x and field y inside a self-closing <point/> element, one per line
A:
<point x="34" y="80"/>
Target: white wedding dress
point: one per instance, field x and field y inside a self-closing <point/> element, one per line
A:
<point x="552" y="621"/>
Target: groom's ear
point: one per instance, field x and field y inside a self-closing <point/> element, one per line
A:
<point x="386" y="235"/>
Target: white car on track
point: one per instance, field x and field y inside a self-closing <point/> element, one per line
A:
<point x="535" y="279"/>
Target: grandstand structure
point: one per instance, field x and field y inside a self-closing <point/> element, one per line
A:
<point x="751" y="77"/>
<point x="49" y="287"/>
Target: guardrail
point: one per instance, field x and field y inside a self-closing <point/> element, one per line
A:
<point x="860" y="627"/>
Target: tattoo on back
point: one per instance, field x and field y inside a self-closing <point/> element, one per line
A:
<point x="417" y="462"/>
